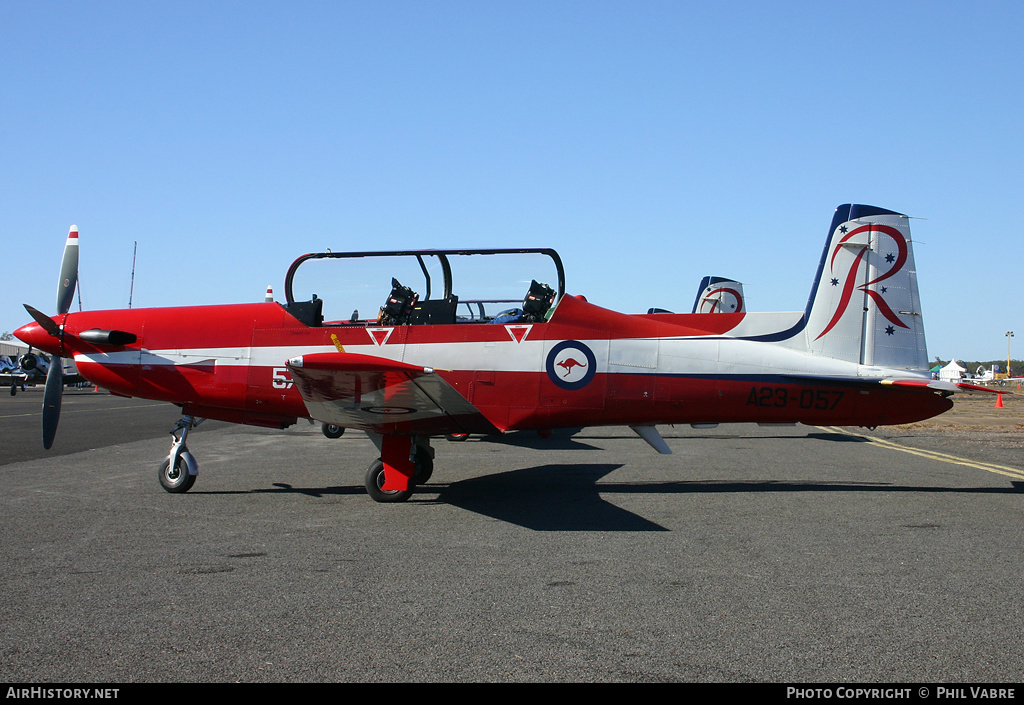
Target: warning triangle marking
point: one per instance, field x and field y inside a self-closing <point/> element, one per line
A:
<point x="379" y="336"/>
<point x="518" y="333"/>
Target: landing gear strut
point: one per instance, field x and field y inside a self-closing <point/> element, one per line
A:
<point x="179" y="470"/>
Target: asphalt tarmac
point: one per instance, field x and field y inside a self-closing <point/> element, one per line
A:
<point x="792" y="555"/>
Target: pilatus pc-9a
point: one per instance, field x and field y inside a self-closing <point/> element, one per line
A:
<point x="435" y="360"/>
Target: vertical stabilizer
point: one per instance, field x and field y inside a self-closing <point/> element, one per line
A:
<point x="865" y="306"/>
<point x="719" y="295"/>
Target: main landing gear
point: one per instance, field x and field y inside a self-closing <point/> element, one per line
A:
<point x="179" y="470"/>
<point x="332" y="430"/>
<point x="404" y="463"/>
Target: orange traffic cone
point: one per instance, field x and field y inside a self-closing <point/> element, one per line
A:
<point x="999" y="402"/>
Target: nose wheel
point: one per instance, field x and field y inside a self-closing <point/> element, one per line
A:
<point x="179" y="470"/>
<point x="176" y="479"/>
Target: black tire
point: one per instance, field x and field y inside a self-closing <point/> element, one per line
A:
<point x="332" y="430"/>
<point x="457" y="437"/>
<point x="424" y="466"/>
<point x="374" y="482"/>
<point x="178" y="480"/>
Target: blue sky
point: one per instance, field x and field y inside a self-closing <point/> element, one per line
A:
<point x="650" y="143"/>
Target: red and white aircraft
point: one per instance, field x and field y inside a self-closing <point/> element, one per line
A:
<point x="855" y="357"/>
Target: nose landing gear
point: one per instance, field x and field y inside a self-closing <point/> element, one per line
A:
<point x="178" y="472"/>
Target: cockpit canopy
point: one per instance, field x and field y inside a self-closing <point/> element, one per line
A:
<point x="419" y="287"/>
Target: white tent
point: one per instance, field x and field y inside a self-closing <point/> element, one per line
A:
<point x="953" y="371"/>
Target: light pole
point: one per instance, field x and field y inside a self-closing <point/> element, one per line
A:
<point x="1009" y="334"/>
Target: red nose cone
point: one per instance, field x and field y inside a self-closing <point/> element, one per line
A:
<point x="34" y="335"/>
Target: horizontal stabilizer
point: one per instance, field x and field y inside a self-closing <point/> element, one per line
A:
<point x="944" y="386"/>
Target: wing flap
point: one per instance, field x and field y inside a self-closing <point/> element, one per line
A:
<point x="381" y="395"/>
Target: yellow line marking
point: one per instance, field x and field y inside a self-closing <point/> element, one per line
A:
<point x="1015" y="473"/>
<point x="337" y="343"/>
<point x="66" y="410"/>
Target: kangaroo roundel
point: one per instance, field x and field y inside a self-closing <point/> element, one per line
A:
<point x="571" y="365"/>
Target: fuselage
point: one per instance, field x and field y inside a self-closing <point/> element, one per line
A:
<point x="586" y="366"/>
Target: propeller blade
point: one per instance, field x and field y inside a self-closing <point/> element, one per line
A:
<point x="51" y="400"/>
<point x="55" y="375"/>
<point x="68" y="272"/>
<point x="44" y="321"/>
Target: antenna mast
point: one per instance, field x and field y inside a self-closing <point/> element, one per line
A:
<point x="131" y="288"/>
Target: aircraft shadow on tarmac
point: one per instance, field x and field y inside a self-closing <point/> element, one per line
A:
<point x="542" y="498"/>
<point x="570" y="498"/>
<point x="559" y="439"/>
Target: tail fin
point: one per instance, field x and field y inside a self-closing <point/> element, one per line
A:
<point x="865" y="305"/>
<point x="719" y="295"/>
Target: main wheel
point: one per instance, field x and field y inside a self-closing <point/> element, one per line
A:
<point x="177" y="480"/>
<point x="332" y="430"/>
<point x="424" y="466"/>
<point x="375" y="481"/>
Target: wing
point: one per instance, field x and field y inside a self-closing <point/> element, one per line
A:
<point x="381" y="395"/>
